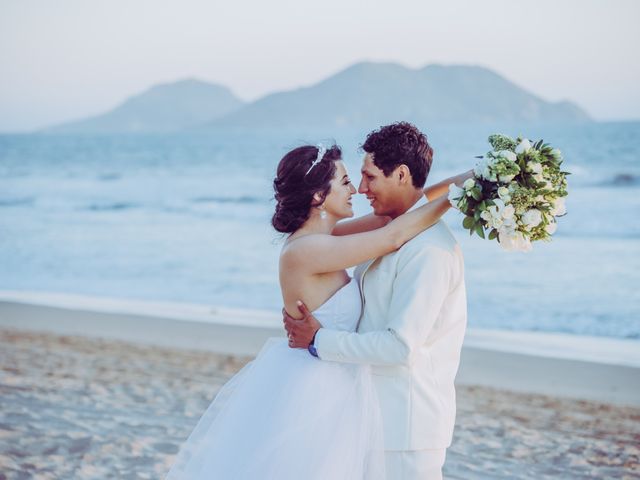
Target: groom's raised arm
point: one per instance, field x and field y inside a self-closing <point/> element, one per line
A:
<point x="423" y="281"/>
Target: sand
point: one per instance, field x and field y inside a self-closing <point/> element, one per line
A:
<point x="84" y="408"/>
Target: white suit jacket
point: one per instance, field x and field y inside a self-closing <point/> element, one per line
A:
<point x="411" y="330"/>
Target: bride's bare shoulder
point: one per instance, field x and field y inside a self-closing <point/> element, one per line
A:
<point x="298" y="249"/>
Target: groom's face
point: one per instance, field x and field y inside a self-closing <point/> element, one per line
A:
<point x="381" y="191"/>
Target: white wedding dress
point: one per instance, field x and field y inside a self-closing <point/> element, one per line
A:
<point x="289" y="416"/>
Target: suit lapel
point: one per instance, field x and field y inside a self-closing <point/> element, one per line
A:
<point x="360" y="272"/>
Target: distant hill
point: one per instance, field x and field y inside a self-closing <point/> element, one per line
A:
<point x="369" y="94"/>
<point x="162" y="108"/>
<point x="363" y="95"/>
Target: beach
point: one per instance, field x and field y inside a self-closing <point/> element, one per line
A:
<point x="156" y="161"/>
<point x="93" y="406"/>
<point x="82" y="408"/>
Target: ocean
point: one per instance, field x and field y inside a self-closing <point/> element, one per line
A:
<point x="186" y="218"/>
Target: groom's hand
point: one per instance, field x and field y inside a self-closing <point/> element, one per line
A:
<point x="300" y="331"/>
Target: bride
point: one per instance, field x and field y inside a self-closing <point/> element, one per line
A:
<point x="287" y="415"/>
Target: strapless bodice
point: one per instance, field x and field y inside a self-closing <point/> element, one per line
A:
<point x="342" y="310"/>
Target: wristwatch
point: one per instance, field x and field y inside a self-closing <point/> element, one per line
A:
<point x="312" y="347"/>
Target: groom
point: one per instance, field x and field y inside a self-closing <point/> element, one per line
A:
<point x="414" y="313"/>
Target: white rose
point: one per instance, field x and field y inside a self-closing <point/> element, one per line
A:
<point x="503" y="193"/>
<point x="483" y="169"/>
<point x="494" y="223"/>
<point x="509" y="225"/>
<point x="506" y="178"/>
<point x="508" y="212"/>
<point x="486" y="172"/>
<point x="506" y="230"/>
<point x="507" y="240"/>
<point x="489" y="175"/>
<point x="524" y="244"/>
<point x="508" y="155"/>
<point x="468" y="184"/>
<point x="534" y="167"/>
<point x="558" y="207"/>
<point x="532" y="218"/>
<point x="495" y="214"/>
<point x="479" y="168"/>
<point x="514" y="242"/>
<point x="556" y="154"/>
<point x="551" y="228"/>
<point x="455" y="194"/>
<point x="523" y="146"/>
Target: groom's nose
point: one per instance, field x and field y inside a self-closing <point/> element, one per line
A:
<point x="362" y="188"/>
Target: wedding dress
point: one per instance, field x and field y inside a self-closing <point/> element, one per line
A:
<point x="289" y="416"/>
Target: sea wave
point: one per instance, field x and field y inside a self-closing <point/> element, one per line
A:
<point x="624" y="179"/>
<point x="109" y="177"/>
<point x="13" y="202"/>
<point x="238" y="200"/>
<point x="114" y="206"/>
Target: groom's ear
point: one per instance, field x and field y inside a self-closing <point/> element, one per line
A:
<point x="404" y="174"/>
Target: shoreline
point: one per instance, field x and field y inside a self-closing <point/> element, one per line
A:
<point x="560" y="365"/>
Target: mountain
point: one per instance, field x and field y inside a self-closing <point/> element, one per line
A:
<point x="162" y="108"/>
<point x="363" y="95"/>
<point x="369" y="94"/>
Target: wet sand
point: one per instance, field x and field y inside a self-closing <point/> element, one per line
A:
<point x="80" y="408"/>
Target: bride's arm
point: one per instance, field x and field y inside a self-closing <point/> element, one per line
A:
<point x="365" y="223"/>
<point x="318" y="253"/>
<point x="442" y="188"/>
<point x="369" y="222"/>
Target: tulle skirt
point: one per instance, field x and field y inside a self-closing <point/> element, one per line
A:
<point x="287" y="415"/>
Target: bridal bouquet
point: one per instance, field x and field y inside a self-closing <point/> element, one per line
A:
<point x="516" y="193"/>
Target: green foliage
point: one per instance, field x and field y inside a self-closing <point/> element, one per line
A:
<point x="502" y="142"/>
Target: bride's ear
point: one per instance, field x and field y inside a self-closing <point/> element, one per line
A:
<point x="317" y="199"/>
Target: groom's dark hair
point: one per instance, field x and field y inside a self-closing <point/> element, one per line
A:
<point x="397" y="144"/>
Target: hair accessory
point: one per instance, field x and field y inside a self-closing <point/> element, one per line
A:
<point x="321" y="151"/>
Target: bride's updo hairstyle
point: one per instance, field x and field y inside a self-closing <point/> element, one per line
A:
<point x="298" y="178"/>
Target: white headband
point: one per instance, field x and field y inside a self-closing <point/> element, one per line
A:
<point x="321" y="151"/>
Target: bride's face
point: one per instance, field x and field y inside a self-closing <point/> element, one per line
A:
<point x="338" y="201"/>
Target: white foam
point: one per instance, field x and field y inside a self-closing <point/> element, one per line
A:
<point x="605" y="350"/>
<point x="170" y="310"/>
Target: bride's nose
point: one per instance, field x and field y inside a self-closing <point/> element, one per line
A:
<point x="352" y="189"/>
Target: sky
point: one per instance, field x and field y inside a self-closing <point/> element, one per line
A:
<point x="67" y="59"/>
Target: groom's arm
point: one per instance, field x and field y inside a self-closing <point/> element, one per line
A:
<point x="422" y="283"/>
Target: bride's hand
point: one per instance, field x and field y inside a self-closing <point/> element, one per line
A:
<point x="460" y="179"/>
<point x="442" y="188"/>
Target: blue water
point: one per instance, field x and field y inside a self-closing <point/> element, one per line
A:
<point x="186" y="218"/>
